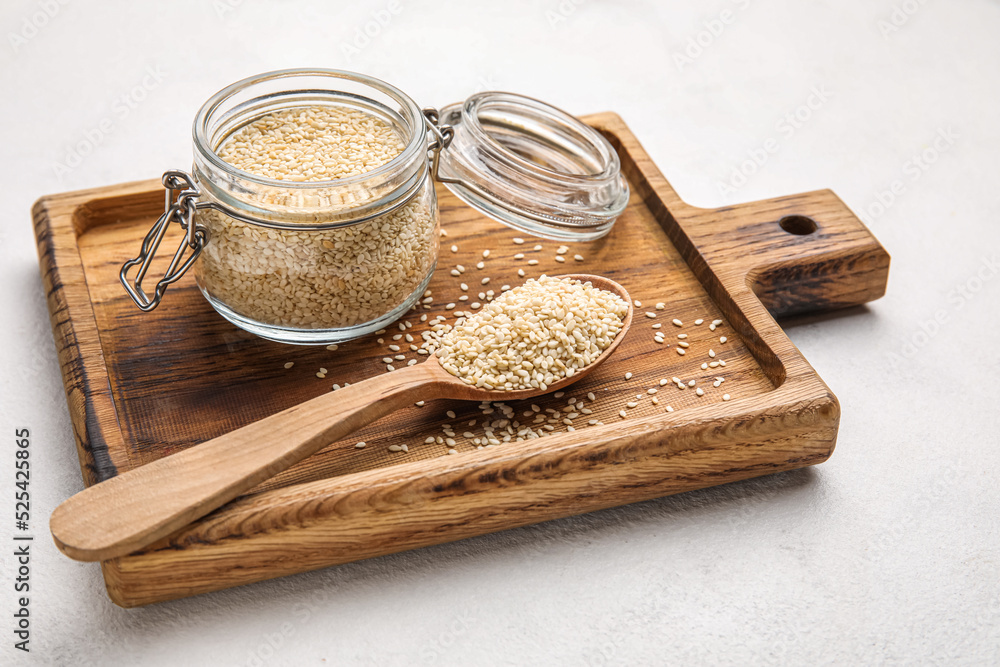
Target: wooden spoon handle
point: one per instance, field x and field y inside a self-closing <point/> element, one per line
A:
<point x="132" y="510"/>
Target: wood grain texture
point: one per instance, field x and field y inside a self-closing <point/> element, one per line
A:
<point x="142" y="386"/>
<point x="160" y="497"/>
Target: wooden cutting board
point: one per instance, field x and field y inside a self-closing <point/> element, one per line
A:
<point x="141" y="386"/>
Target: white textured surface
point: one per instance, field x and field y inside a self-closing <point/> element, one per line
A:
<point x="886" y="554"/>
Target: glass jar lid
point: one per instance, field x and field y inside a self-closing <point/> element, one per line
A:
<point x="532" y="166"/>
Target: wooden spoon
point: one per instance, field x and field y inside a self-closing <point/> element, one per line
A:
<point x="136" y="508"/>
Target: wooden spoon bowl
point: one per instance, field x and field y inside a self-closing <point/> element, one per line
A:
<point x="159" y="498"/>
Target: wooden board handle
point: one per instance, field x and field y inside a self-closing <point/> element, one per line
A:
<point x="799" y="254"/>
<point x="132" y="510"/>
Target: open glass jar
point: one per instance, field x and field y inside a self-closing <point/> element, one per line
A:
<point x="319" y="261"/>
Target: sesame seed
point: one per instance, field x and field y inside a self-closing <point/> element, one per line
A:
<point x="591" y="397"/>
<point x="486" y="281"/>
<point x="722" y="339"/>
<point x="669" y="409"/>
<point x="622" y="414"/>
<point x="518" y="241"/>
<point x="460" y="268"/>
<point x="520" y="272"/>
<point x="684" y="344"/>
<point x="578" y="258"/>
<point x="631" y="404"/>
<point x="704" y="367"/>
<point x="451" y="414"/>
<point x="651" y="391"/>
<point x="289" y="364"/>
<point x="692" y="383"/>
<point x="537" y="247"/>
<point x="649" y="314"/>
<point x="661" y="306"/>
<point x="682" y="336"/>
<point x="628" y="376"/>
<point x="721" y="362"/>
<point x="725" y="397"/>
<point x="360" y="445"/>
<point x="532" y="262"/>
<point x="560" y="258"/>
<point x="657" y="325"/>
<point x="486" y="253"/>
<point x="677" y="323"/>
<point x="456" y="272"/>
<point x="711" y="353"/>
<point x="680" y="351"/>
<point x="419" y="404"/>
<point x="663" y="382"/>
<point x="519" y="255"/>
<point x="717" y="322"/>
<point x="638" y="304"/>
<point x="698" y="322"/>
<point x="395" y="448"/>
<point x="481" y="265"/>
<point x="333" y="348"/>
<point x="700" y="391"/>
<point x="454" y="248"/>
<point x="453" y="451"/>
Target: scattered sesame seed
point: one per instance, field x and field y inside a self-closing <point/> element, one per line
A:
<point x="519" y="255"/>
<point x="721" y="362"/>
<point x="481" y="265"/>
<point x="628" y="376"/>
<point x="559" y="394"/>
<point x="486" y="253"/>
<point x="518" y="241"/>
<point x="532" y="262"/>
<point x="700" y="391"/>
<point x="622" y="414"/>
<point x="680" y="351"/>
<point x="717" y="322"/>
<point x="683" y="344"/>
<point x="725" y="397"/>
<point x="289" y="364"/>
<point x="419" y="404"/>
<point x="657" y="325"/>
<point x="560" y="258"/>
<point x="698" y="322"/>
<point x="591" y="396"/>
<point x="453" y="451"/>
<point x="711" y="353"/>
<point x="704" y="366"/>
<point x="722" y="339"/>
<point x="486" y="281"/>
<point x="692" y="383"/>
<point x="651" y="391"/>
<point x="520" y="272"/>
<point x="669" y="409"/>
<point x="661" y="306"/>
<point x="631" y="404"/>
<point x="456" y="272"/>
<point x="663" y="382"/>
<point x="578" y="258"/>
<point x="638" y="304"/>
<point x="537" y="247"/>
<point x="333" y="348"/>
<point x="677" y="323"/>
<point x="649" y="314"/>
<point x="682" y="336"/>
<point x="390" y="368"/>
<point x="395" y="448"/>
<point x="360" y="445"/>
<point x="454" y="248"/>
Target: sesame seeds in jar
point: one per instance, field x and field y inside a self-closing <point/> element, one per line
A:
<point x="327" y="226"/>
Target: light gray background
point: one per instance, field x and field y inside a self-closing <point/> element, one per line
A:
<point x="886" y="554"/>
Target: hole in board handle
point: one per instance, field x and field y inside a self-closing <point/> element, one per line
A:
<point x="800" y="225"/>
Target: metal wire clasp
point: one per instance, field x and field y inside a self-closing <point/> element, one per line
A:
<point x="179" y="206"/>
<point x="443" y="134"/>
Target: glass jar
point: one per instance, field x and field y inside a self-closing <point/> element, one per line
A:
<point x="326" y="261"/>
